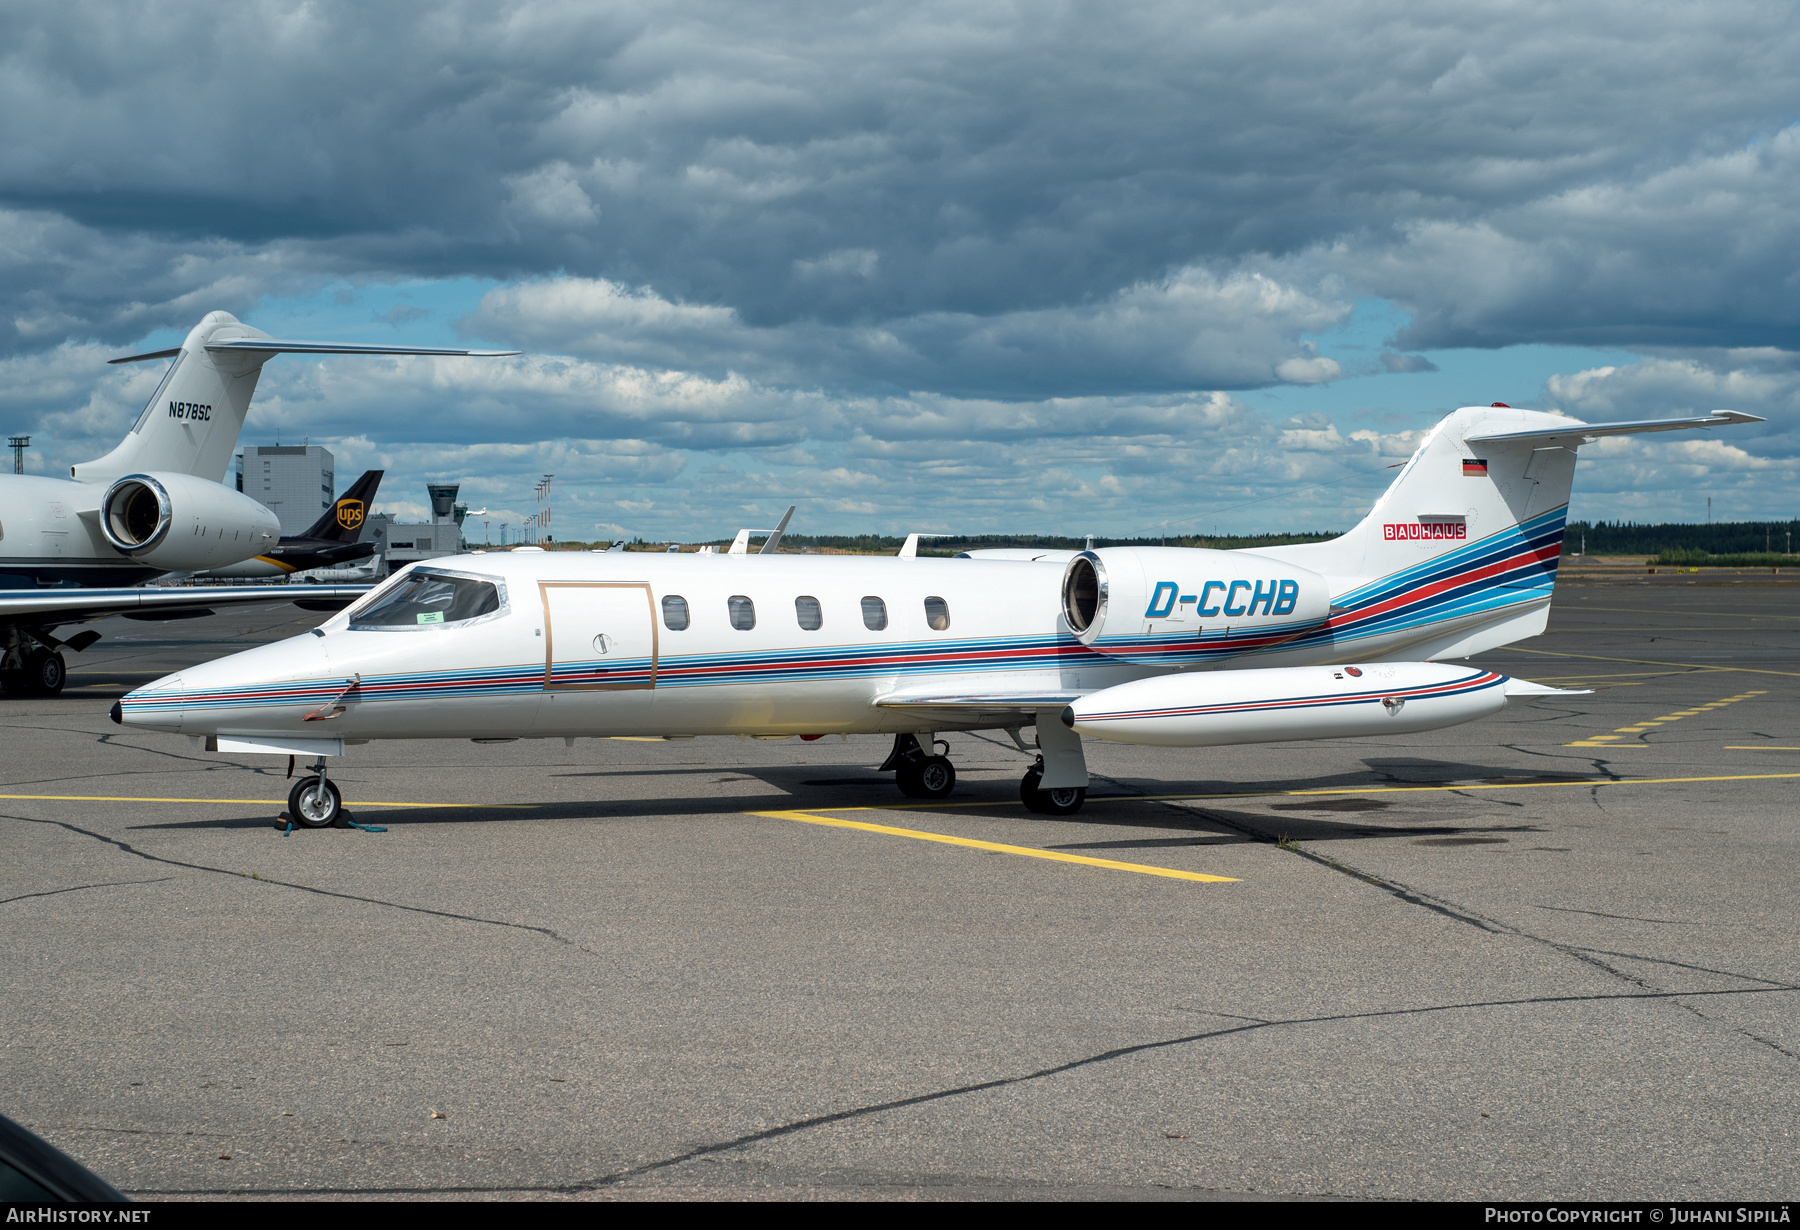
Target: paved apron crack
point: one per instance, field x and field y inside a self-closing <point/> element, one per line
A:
<point x="82" y="887"/>
<point x="127" y="848"/>
<point x="1252" y="1025"/>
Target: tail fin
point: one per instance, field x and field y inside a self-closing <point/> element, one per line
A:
<point x="192" y="421"/>
<point x="1463" y="546"/>
<point x="343" y="521"/>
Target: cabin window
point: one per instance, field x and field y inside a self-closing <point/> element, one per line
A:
<point x="806" y="610"/>
<point x="743" y="612"/>
<point x="426" y="599"/>
<point x="937" y="614"/>
<point x="874" y="614"/>
<point x="675" y="613"/>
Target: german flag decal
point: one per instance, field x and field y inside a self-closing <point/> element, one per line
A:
<point x="1474" y="467"/>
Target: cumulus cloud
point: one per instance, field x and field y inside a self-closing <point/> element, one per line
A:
<point x="1190" y="330"/>
<point x="1505" y="172"/>
<point x="1002" y="261"/>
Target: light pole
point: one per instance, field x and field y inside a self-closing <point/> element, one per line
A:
<point x="18" y="444"/>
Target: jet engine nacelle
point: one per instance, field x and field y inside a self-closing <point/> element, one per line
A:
<point x="182" y="523"/>
<point x="1155" y="604"/>
<point x="1217" y="708"/>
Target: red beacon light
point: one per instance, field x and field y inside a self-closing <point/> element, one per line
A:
<point x="1499" y="405"/>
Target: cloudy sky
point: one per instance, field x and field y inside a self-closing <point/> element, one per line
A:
<point x="1057" y="268"/>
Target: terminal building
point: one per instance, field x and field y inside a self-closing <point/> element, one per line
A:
<point x="296" y="482"/>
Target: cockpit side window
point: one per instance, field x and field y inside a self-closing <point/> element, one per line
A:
<point x="428" y="599"/>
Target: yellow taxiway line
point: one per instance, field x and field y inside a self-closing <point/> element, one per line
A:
<point x="127" y="798"/>
<point x="812" y="817"/>
<point x="1649" y="724"/>
<point x="1056" y="856"/>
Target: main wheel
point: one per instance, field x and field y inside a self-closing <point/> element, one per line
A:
<point x="315" y="804"/>
<point x="13" y="682"/>
<point x="1062" y="801"/>
<point x="935" y="778"/>
<point x="45" y="672"/>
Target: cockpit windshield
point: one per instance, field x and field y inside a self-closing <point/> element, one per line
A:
<point x="428" y="599"/>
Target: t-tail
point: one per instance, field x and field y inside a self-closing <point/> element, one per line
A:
<point x="1459" y="555"/>
<point x="191" y="423"/>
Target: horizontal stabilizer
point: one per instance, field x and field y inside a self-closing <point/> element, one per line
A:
<point x="1578" y="432"/>
<point x="1524" y="687"/>
<point x="269" y="345"/>
<point x="145" y="358"/>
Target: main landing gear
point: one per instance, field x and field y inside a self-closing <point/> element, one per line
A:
<point x="41" y="672"/>
<point x="1059" y="801"/>
<point x="919" y="774"/>
<point x="314" y="802"/>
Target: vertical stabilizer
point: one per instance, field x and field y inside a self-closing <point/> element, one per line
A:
<point x="343" y="521"/>
<point x="1459" y="554"/>
<point x="1453" y="493"/>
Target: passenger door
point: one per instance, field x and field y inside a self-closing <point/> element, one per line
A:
<point x="598" y="635"/>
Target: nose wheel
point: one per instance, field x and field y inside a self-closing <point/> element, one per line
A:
<point x="314" y="803"/>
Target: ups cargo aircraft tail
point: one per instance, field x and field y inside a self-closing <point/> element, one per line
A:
<point x="153" y="505"/>
<point x="329" y="542"/>
<point x="1166" y="646"/>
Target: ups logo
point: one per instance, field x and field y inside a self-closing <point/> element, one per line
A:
<point x="350" y="513"/>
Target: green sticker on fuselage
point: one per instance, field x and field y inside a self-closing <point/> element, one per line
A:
<point x="432" y="617"/>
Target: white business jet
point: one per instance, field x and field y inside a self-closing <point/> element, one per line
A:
<point x="70" y="549"/>
<point x="1165" y="646"/>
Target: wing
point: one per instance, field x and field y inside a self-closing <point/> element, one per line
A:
<point x="975" y="706"/>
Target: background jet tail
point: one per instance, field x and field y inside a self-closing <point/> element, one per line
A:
<point x="343" y="521"/>
<point x="192" y="421"/>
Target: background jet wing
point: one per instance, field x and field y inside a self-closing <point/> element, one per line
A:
<point x="68" y="606"/>
<point x="1578" y="432"/>
<point x="270" y="345"/>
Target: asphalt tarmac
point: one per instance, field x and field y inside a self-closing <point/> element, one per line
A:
<point x="1553" y="954"/>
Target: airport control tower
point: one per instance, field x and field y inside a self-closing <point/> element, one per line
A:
<point x="443" y="502"/>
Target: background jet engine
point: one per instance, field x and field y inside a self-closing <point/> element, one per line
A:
<point x="1163" y="605"/>
<point x="182" y="523"/>
<point x="1296" y="702"/>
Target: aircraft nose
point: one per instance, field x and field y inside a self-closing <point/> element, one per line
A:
<point x="118" y="714"/>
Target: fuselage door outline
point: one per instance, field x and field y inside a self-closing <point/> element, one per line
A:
<point x="612" y="636"/>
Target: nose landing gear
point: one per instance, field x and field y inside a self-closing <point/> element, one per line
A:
<point x="314" y="802"/>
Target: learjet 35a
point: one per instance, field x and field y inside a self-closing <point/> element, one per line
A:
<point x="1175" y="647"/>
<point x="72" y="549"/>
